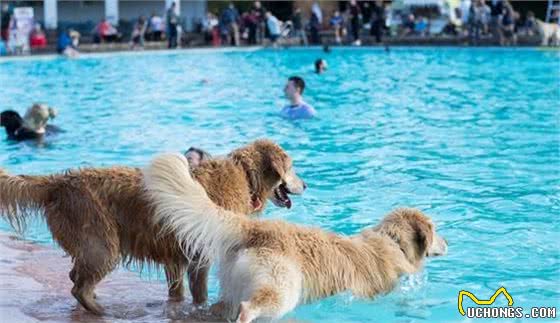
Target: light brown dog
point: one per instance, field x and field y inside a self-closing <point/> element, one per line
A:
<point x="266" y="268"/>
<point x="101" y="216"/>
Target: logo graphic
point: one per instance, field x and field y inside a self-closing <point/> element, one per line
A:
<point x="491" y="301"/>
<point x="484" y="310"/>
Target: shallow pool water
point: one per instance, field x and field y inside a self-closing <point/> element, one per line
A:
<point x="470" y="136"/>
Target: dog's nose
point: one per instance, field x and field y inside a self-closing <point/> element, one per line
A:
<point x="304" y="185"/>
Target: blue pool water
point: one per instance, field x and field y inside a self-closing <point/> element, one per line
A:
<point x="470" y="136"/>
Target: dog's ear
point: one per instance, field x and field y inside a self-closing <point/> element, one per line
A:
<point x="423" y="236"/>
<point x="278" y="163"/>
<point x="274" y="156"/>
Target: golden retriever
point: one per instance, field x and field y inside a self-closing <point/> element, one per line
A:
<point x="549" y="32"/>
<point x="266" y="268"/>
<point x="102" y="216"/>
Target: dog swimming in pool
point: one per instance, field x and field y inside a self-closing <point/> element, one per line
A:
<point x="32" y="126"/>
<point x="267" y="268"/>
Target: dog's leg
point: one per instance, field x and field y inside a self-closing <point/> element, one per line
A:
<point x="198" y="282"/>
<point x="73" y="276"/>
<point x="174" y="275"/>
<point x="266" y="300"/>
<point x="83" y="292"/>
<point x="277" y="284"/>
<point x="220" y="309"/>
<point x="87" y="273"/>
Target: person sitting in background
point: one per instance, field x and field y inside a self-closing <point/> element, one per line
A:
<point x="211" y="29"/>
<point x="37" y="38"/>
<point x="155" y="27"/>
<point x="530" y="25"/>
<point x="65" y="45"/>
<point x="337" y="23"/>
<point x="106" y="32"/>
<point x="297" y="109"/>
<point x="137" y="38"/>
<point x="450" y="28"/>
<point x="421" y="26"/>
<point x="320" y="66"/>
<point x="409" y="25"/>
<point x="32" y="126"/>
<point x="75" y="37"/>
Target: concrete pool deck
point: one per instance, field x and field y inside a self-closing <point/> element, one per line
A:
<point x="34" y="287"/>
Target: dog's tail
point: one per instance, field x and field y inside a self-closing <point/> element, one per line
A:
<point x="19" y="195"/>
<point x="183" y="207"/>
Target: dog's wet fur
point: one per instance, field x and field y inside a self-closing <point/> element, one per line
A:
<point x="101" y="216"/>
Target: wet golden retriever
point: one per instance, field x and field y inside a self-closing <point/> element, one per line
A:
<point x="101" y="216"/>
<point x="266" y="268"/>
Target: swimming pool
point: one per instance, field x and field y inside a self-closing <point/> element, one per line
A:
<point x="470" y="136"/>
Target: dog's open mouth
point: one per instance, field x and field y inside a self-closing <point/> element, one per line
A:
<point x="281" y="198"/>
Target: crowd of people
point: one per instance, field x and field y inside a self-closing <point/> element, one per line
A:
<point x="349" y="23"/>
<point x="495" y="19"/>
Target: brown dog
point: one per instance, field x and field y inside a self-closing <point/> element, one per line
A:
<point x="101" y="216"/>
<point x="267" y="268"/>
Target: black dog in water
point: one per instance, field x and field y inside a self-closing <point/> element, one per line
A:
<point x="13" y="122"/>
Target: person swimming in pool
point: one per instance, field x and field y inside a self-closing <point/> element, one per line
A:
<point x="32" y="126"/>
<point x="297" y="109"/>
<point x="320" y="66"/>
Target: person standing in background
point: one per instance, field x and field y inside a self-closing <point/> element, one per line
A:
<point x="299" y="30"/>
<point x="230" y="17"/>
<point x="138" y="33"/>
<point x="496" y="14"/>
<point x="316" y="9"/>
<point x="260" y="13"/>
<point x="274" y="27"/>
<point x="508" y="26"/>
<point x="355" y="22"/>
<point x="377" y="20"/>
<point x="478" y="20"/>
<point x="172" y="22"/>
<point x="5" y="26"/>
<point x="314" y="27"/>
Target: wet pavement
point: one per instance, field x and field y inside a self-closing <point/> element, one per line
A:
<point x="34" y="287"/>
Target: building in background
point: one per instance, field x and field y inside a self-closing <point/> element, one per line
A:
<point x="54" y="14"/>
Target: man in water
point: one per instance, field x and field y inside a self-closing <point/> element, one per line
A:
<point x="297" y="109"/>
<point x="320" y="66"/>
